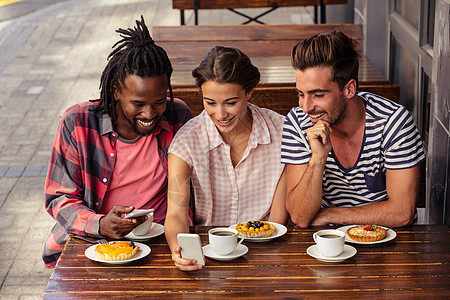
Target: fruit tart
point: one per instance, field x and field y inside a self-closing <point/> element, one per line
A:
<point x="366" y="233"/>
<point x="256" y="229"/>
<point x="116" y="251"/>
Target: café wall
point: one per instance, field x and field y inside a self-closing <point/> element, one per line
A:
<point x="438" y="173"/>
<point x="374" y="16"/>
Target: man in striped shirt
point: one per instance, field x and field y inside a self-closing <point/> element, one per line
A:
<point x="110" y="155"/>
<point x="352" y="158"/>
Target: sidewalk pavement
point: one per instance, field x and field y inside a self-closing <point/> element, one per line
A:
<point x="49" y="60"/>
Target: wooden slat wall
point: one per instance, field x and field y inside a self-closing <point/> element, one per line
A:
<point x="279" y="99"/>
<point x="255" y="40"/>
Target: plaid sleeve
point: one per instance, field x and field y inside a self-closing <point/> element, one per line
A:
<point x="64" y="190"/>
<point x="182" y="113"/>
<point x="176" y="115"/>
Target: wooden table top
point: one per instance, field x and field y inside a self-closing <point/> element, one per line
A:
<point x="413" y="265"/>
<point x="268" y="46"/>
<point x="275" y="72"/>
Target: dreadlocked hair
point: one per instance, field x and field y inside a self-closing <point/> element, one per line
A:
<point x="136" y="54"/>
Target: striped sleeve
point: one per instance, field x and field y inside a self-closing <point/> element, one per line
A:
<point x="294" y="144"/>
<point x="402" y="144"/>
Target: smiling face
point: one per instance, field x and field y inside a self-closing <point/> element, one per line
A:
<point x="226" y="105"/>
<point x="319" y="96"/>
<point x="139" y="105"/>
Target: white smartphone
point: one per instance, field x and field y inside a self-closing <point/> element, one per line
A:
<point x="191" y="247"/>
<point x="138" y="213"/>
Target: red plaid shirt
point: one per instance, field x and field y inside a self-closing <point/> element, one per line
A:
<point x="81" y="165"/>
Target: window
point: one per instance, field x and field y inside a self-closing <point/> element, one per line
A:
<point x="411" y="35"/>
<point x="409" y="10"/>
<point x="427" y="23"/>
<point x="425" y="118"/>
<point x="404" y="73"/>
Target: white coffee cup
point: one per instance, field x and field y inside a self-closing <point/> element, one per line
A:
<point x="145" y="227"/>
<point x="224" y="240"/>
<point x="330" y="242"/>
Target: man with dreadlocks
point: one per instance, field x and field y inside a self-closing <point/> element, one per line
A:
<point x="110" y="155"/>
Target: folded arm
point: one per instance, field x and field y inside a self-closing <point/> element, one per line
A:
<point x="304" y="182"/>
<point x="402" y="189"/>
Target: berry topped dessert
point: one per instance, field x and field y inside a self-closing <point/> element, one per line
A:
<point x="256" y="229"/>
<point x="366" y="233"/>
<point x="116" y="251"/>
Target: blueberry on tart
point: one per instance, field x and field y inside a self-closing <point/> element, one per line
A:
<point x="255" y="229"/>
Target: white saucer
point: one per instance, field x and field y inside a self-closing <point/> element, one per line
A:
<point x="238" y="252"/>
<point x="348" y="252"/>
<point x="279" y="231"/>
<point x="143" y="251"/>
<point x="156" y="230"/>
<point x="390" y="235"/>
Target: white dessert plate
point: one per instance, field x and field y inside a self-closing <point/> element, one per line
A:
<point x="143" y="251"/>
<point x="156" y="230"/>
<point x="280" y="230"/>
<point x="349" y="251"/>
<point x="390" y="235"/>
<point x="238" y="252"/>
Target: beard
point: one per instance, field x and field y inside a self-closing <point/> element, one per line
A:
<point x="338" y="114"/>
<point x="133" y="124"/>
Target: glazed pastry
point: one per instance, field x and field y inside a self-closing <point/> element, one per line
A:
<point x="366" y="233"/>
<point x="256" y="229"/>
<point x="116" y="251"/>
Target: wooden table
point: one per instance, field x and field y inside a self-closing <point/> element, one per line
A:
<point x="413" y="265"/>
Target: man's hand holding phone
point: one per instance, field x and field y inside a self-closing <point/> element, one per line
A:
<point x="114" y="226"/>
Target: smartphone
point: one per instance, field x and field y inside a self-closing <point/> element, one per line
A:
<point x="191" y="247"/>
<point x="138" y="213"/>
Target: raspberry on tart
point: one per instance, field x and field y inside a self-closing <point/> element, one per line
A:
<point x="366" y="233"/>
<point x="256" y="229"/>
<point x="116" y="251"/>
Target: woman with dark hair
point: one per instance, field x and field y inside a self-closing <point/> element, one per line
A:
<point x="230" y="153"/>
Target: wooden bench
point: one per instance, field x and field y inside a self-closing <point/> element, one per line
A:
<point x="253" y="40"/>
<point x="279" y="99"/>
<point x="233" y="4"/>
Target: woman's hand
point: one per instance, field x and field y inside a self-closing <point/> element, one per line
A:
<point x="182" y="263"/>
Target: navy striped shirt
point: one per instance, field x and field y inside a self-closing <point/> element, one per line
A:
<point x="391" y="141"/>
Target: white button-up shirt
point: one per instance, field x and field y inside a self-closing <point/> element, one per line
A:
<point x="225" y="195"/>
